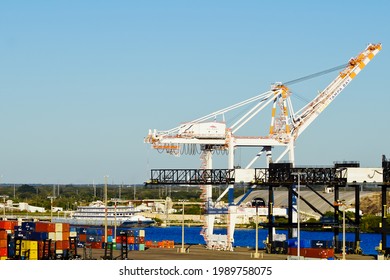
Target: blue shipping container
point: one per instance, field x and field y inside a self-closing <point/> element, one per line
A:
<point x="304" y="243"/>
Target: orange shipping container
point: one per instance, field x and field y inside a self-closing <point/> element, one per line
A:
<point x="65" y="235"/>
<point x="130" y="240"/>
<point x="3" y="235"/>
<point x="59" y="245"/>
<point x="3" y="243"/>
<point x="65" y="227"/>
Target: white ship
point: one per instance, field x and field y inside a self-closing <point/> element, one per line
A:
<point x="95" y="215"/>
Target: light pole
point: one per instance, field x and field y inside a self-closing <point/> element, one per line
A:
<point x="105" y="208"/>
<point x="343" y="207"/>
<point x="115" y="202"/>
<point x="4" y="197"/>
<point x="51" y="207"/>
<point x="299" y="218"/>
<point x="182" y="249"/>
<point x="256" y="202"/>
<point x="298" y="174"/>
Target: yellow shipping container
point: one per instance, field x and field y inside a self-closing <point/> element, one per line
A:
<point x="33" y="254"/>
<point x="29" y="245"/>
<point x="3" y="258"/>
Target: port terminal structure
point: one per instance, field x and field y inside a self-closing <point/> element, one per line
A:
<point x="212" y="134"/>
<point x="341" y="175"/>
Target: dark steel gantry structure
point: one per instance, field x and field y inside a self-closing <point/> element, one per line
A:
<point x="284" y="175"/>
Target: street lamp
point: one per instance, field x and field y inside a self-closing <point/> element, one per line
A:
<point x="182" y="249"/>
<point x="343" y="208"/>
<point x="298" y="174"/>
<point x="105" y="208"/>
<point x="116" y="200"/>
<point x="51" y="207"/>
<point x="256" y="202"/>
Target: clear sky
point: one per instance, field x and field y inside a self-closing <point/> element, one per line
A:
<point x="81" y="82"/>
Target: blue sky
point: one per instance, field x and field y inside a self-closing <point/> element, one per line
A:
<point x="81" y="82"/>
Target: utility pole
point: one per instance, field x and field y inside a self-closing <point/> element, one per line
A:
<point x="51" y="207"/>
<point x="105" y="208"/>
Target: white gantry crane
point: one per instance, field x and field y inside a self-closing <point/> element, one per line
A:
<point x="208" y="135"/>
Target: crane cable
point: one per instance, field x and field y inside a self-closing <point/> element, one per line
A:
<point x="311" y="76"/>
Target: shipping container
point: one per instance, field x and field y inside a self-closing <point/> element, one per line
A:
<point x="29" y="245"/>
<point x="39" y="236"/>
<point x="33" y="255"/>
<point x="3" y="243"/>
<point x="83" y="237"/>
<point x="130" y="240"/>
<point x="96" y="245"/>
<point x="30" y="226"/>
<point x="41" y="227"/>
<point x="58" y="235"/>
<point x="312" y="252"/>
<point x="52" y="236"/>
<point x="3" y="252"/>
<point x="3" y="235"/>
<point x="8" y="225"/>
<point x="304" y="243"/>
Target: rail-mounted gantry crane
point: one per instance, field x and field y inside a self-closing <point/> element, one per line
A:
<point x="207" y="135"/>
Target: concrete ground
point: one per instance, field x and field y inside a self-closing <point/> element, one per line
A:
<point x="199" y="252"/>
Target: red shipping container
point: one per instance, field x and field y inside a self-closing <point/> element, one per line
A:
<point x="51" y="227"/>
<point x="83" y="237"/>
<point x="109" y="231"/>
<point x="96" y="245"/>
<point x="141" y="240"/>
<point x="8" y="225"/>
<point x="65" y="244"/>
<point x="319" y="253"/>
<point x="3" y="252"/>
<point x="41" y="227"/>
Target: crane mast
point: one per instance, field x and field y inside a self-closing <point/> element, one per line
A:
<point x="205" y="135"/>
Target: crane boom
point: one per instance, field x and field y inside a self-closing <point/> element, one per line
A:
<point x="309" y="113"/>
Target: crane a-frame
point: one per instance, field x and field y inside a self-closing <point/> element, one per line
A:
<point x="208" y="135"/>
